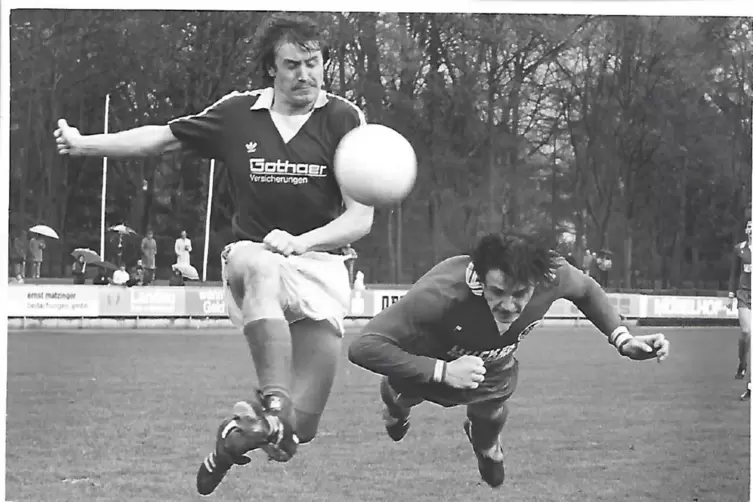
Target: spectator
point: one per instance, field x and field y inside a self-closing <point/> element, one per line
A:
<point x="350" y="260"/>
<point x="149" y="257"/>
<point x="177" y="278"/>
<point x="183" y="250"/>
<point x="137" y="275"/>
<point x="37" y="247"/>
<point x="588" y="259"/>
<point x="604" y="264"/>
<point x="18" y="255"/>
<point x="101" y="278"/>
<point x="120" y="277"/>
<point x="79" y="271"/>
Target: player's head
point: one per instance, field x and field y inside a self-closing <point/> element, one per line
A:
<point x="509" y="266"/>
<point x="150" y="233"/>
<point x="183" y="234"/>
<point x="749" y="228"/>
<point x="290" y="55"/>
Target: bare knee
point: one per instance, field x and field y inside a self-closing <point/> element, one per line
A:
<point x="253" y="268"/>
<point x="491" y="411"/>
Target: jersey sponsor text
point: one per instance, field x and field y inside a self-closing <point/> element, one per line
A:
<point x="486" y="355"/>
<point x="286" y="168"/>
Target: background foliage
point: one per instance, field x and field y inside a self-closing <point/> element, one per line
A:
<point x="632" y="133"/>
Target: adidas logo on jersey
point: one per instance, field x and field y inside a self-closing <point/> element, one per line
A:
<point x="251" y="147"/>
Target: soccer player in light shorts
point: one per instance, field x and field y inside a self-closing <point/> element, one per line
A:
<point x="740" y="288"/>
<point x="451" y="339"/>
<point x="285" y="279"/>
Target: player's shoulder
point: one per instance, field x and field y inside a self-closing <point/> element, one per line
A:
<point x="340" y="106"/>
<point x="234" y="98"/>
<point x="450" y="276"/>
<point x="566" y="278"/>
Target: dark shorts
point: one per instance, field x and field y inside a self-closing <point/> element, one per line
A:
<point x="498" y="385"/>
<point x="743" y="298"/>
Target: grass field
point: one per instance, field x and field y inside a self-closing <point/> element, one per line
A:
<point x="128" y="416"/>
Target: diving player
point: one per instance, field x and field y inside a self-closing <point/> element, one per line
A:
<point x="451" y="339"/>
<point x="286" y="283"/>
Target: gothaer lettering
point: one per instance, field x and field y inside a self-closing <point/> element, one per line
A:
<point x="486" y="355"/>
<point x="286" y="168"/>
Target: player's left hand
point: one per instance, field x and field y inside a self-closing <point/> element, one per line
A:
<point x="643" y="347"/>
<point x="280" y="241"/>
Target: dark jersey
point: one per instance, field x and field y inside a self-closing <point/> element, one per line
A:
<point x="445" y="316"/>
<point x="741" y="268"/>
<point x="278" y="185"/>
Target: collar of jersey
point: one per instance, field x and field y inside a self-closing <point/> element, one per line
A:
<point x="471" y="279"/>
<point x="266" y="96"/>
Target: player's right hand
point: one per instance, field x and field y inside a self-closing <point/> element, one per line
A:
<point x="67" y="139"/>
<point x="465" y="372"/>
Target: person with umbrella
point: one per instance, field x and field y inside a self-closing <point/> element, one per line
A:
<point x="83" y="257"/>
<point x="36" y="247"/>
<point x="121" y="230"/>
<point x="79" y="270"/>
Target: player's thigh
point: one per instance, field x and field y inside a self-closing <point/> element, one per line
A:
<point x="494" y="410"/>
<point x="250" y="277"/>
<point x="743" y="314"/>
<point x="316" y="351"/>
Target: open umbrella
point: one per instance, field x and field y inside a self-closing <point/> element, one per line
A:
<point x="89" y="255"/>
<point x="104" y="264"/>
<point x="187" y="271"/>
<point x="122" y="229"/>
<point x="44" y="230"/>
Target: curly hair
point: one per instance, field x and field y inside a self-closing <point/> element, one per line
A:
<point x="281" y="28"/>
<point x="524" y="258"/>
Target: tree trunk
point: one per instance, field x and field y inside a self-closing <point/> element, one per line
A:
<point x="399" y="245"/>
<point x="391" y="246"/>
<point x="678" y="250"/>
<point x="628" y="255"/>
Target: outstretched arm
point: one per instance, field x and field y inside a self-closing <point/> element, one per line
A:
<point x="388" y="341"/>
<point x="592" y="300"/>
<point x="139" y="142"/>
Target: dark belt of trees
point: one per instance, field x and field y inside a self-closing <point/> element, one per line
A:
<point x="632" y="132"/>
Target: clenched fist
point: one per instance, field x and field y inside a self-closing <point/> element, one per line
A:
<point x="280" y="241"/>
<point x="66" y="138"/>
<point x="465" y="372"/>
<point x="642" y="347"/>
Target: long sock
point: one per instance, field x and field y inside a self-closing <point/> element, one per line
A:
<point x="486" y="431"/>
<point x="390" y="399"/>
<point x="743" y="351"/>
<point x="272" y="351"/>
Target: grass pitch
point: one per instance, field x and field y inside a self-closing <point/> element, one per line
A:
<point x="129" y="415"/>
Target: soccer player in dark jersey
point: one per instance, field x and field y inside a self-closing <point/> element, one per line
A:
<point x="451" y="339"/>
<point x="739" y="287"/>
<point x="286" y="283"/>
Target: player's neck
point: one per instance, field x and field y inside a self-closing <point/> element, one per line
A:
<point x="284" y="107"/>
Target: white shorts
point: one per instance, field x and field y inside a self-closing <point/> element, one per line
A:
<point x="314" y="285"/>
